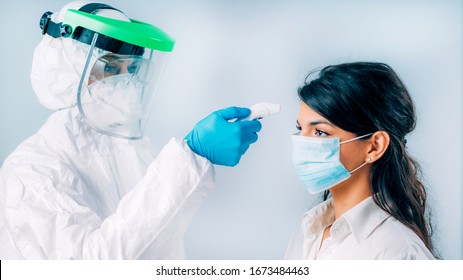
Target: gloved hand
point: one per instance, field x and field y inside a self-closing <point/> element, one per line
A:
<point x="220" y="141"/>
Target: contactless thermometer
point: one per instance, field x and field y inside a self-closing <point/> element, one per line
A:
<point x="262" y="110"/>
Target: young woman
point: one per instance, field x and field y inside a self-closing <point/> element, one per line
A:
<point x="353" y="122"/>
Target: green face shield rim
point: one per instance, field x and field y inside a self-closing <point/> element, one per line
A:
<point x="133" y="32"/>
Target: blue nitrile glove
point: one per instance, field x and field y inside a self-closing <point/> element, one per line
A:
<point x="220" y="141"/>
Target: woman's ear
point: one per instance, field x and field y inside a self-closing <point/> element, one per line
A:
<point x="379" y="142"/>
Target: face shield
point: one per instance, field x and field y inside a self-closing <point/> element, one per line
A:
<point x="116" y="91"/>
<point x="124" y="61"/>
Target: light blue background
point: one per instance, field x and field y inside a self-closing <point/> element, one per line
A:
<point x="244" y="52"/>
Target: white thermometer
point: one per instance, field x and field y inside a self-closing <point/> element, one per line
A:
<point x="262" y="110"/>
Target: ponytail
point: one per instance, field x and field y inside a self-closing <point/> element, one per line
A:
<point x="397" y="189"/>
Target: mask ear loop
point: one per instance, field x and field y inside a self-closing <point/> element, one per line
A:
<point x="368" y="159"/>
<point x="361" y="165"/>
<point x="356" y="138"/>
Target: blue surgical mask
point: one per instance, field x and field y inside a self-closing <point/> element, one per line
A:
<point x="317" y="162"/>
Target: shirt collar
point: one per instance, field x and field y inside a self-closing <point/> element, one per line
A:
<point x="362" y="218"/>
<point x="318" y="218"/>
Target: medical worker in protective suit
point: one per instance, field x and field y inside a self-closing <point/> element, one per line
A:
<point x="87" y="185"/>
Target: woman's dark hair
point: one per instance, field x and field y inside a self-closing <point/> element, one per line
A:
<point x="365" y="97"/>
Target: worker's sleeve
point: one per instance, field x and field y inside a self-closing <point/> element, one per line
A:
<point x="45" y="222"/>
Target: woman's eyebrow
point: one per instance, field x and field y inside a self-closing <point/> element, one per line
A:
<point x="315" y="123"/>
<point x="321" y="122"/>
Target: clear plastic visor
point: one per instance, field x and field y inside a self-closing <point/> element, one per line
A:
<point x="116" y="91"/>
<point x="111" y="65"/>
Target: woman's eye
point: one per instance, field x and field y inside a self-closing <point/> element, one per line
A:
<point x="319" y="132"/>
<point x="298" y="127"/>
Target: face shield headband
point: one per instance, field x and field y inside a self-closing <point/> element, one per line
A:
<point x="84" y="35"/>
<point x="116" y="36"/>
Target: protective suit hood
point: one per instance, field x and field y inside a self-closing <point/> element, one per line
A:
<point x="57" y="63"/>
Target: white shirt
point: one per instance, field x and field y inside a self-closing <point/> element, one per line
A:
<point x="364" y="232"/>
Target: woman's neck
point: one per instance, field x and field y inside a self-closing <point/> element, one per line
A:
<point x="349" y="193"/>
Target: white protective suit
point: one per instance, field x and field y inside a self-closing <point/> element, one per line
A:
<point x="70" y="192"/>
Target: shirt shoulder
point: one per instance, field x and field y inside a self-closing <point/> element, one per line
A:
<point x="398" y="242"/>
